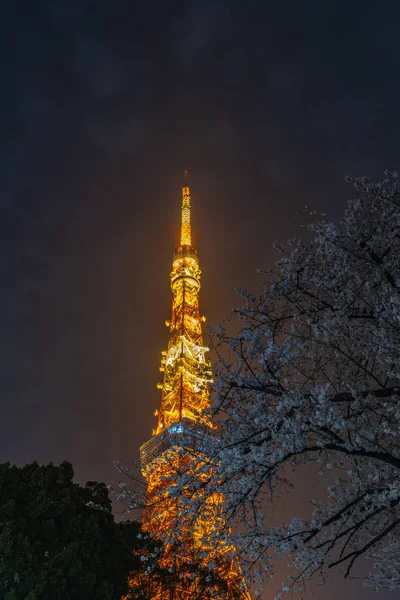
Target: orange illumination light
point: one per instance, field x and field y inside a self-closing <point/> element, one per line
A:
<point x="183" y="407"/>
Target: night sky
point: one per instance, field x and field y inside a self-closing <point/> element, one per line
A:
<point x="102" y="106"/>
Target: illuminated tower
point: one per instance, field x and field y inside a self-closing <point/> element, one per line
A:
<point x="183" y="416"/>
<point x="187" y="373"/>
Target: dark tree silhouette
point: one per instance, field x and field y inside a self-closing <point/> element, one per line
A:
<point x="59" y="540"/>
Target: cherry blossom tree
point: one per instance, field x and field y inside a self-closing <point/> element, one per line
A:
<point x="310" y="384"/>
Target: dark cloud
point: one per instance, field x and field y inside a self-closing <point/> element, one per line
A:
<point x="204" y="25"/>
<point x="67" y="11"/>
<point x="100" y="68"/>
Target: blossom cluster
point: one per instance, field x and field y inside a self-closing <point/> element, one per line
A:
<point x="311" y="378"/>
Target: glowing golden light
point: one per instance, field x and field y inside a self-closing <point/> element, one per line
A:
<point x="186" y="230"/>
<point x="183" y="409"/>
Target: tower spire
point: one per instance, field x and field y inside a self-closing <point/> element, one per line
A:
<point x="186" y="230"/>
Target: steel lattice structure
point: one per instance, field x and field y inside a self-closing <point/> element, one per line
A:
<point x="183" y="416"/>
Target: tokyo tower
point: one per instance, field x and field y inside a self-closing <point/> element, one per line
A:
<point x="194" y="570"/>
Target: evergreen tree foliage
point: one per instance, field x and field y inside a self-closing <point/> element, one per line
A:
<point x="59" y="540"/>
